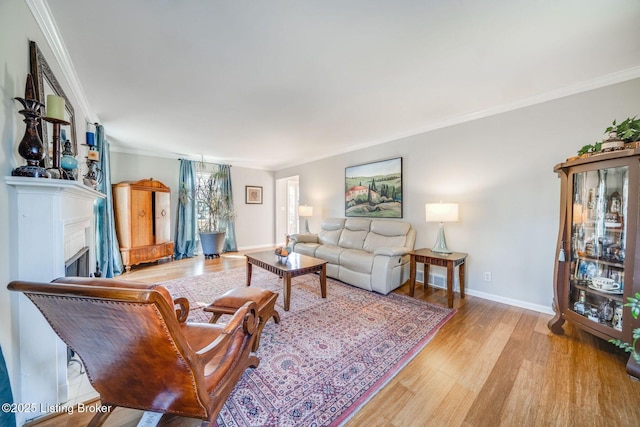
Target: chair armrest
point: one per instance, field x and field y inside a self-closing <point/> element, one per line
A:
<point x="245" y="318"/>
<point x="304" y="238"/>
<point x="182" y="311"/>
<point x="392" y="251"/>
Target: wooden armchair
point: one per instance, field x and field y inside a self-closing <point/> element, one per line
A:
<point x="139" y="353"/>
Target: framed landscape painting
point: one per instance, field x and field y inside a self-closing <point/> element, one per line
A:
<point x="374" y="189"/>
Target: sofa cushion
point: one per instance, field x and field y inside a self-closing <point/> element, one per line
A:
<point x="330" y="231"/>
<point x="356" y="260"/>
<point x="390" y="227"/>
<point x="386" y="233"/>
<point x="329" y="253"/>
<point x="375" y="241"/>
<point x="308" y="249"/>
<point x="352" y="239"/>
<point x="357" y="224"/>
<point x="354" y="233"/>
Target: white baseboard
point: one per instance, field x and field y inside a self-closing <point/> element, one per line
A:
<point x="440" y="282"/>
<point x="250" y="248"/>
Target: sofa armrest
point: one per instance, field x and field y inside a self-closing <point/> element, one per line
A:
<point x="392" y="251"/>
<point x="303" y="238"/>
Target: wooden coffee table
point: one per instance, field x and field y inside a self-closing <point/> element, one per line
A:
<point x="294" y="265"/>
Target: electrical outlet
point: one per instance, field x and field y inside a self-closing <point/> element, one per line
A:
<point x="487" y="276"/>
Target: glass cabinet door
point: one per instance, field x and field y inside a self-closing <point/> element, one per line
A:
<point x="598" y="230"/>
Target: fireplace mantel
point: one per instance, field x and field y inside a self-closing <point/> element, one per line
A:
<point x="50" y="221"/>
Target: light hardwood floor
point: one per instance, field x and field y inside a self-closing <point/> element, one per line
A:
<point x="490" y="365"/>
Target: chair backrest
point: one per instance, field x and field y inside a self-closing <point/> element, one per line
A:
<point x="129" y="340"/>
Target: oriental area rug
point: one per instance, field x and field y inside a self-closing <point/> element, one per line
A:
<point x="327" y="357"/>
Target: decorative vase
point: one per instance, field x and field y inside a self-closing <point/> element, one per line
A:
<point x="68" y="162"/>
<point x="31" y="147"/>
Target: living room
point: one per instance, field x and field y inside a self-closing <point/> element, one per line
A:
<point x="495" y="161"/>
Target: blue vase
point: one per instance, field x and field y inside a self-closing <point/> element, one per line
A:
<point x="68" y="162"/>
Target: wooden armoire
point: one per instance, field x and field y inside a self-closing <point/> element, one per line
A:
<point x="143" y="221"/>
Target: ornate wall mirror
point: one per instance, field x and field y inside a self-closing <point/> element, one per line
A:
<point x="45" y="83"/>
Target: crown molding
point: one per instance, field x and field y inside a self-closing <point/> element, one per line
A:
<point x="44" y="19"/>
<point x="585" y="86"/>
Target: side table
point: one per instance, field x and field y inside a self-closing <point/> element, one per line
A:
<point x="450" y="261"/>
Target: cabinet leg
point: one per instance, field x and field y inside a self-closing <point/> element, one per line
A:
<point x="555" y="324"/>
<point x="633" y="368"/>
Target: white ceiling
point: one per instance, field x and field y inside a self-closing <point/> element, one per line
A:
<point x="270" y="84"/>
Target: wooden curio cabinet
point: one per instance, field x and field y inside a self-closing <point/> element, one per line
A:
<point x="142" y="221"/>
<point x="598" y="251"/>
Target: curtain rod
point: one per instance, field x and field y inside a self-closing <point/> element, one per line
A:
<point x="209" y="163"/>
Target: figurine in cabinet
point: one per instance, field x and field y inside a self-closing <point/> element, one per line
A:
<point x="599" y="222"/>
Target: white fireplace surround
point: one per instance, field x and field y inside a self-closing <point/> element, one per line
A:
<point x="51" y="220"/>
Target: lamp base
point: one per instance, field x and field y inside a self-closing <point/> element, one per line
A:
<point x="306" y="226"/>
<point x="441" y="243"/>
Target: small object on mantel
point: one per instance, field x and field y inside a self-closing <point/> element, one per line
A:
<point x="68" y="162"/>
<point x="93" y="155"/>
<point x="55" y="107"/>
<point x="30" y="147"/>
<point x="56" y="171"/>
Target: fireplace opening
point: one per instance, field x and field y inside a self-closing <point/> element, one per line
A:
<point x="78" y="265"/>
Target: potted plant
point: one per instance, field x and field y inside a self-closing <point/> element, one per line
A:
<point x="589" y="149"/>
<point x="627" y="130"/>
<point x="214" y="209"/>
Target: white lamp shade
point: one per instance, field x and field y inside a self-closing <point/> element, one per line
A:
<point x="441" y="212"/>
<point x="305" y="211"/>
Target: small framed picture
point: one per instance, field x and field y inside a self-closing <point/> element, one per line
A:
<point x="587" y="270"/>
<point x="252" y="195"/>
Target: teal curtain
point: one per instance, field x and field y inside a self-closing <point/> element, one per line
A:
<point x="185" y="241"/>
<point x="230" y="239"/>
<point x="7" y="418"/>
<point x="107" y="247"/>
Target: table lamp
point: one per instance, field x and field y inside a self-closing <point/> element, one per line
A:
<point x="441" y="212"/>
<point x="305" y="211"/>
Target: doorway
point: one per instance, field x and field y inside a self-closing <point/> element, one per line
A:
<point x="287" y="201"/>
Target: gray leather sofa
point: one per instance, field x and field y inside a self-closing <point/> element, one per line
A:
<point x="371" y="254"/>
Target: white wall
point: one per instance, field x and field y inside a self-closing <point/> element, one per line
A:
<point x="17" y="27"/>
<point x="500" y="170"/>
<point x="254" y="223"/>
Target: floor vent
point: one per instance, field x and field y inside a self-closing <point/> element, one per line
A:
<point x="434" y="279"/>
<point x="437" y="280"/>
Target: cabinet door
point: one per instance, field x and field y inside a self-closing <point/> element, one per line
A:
<point x="163" y="226"/>
<point x="141" y="218"/>
<point x="598" y="245"/>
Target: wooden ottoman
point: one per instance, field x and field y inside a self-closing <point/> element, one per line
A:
<point x="231" y="301"/>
